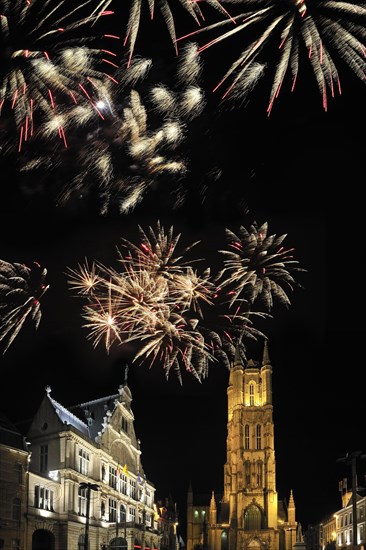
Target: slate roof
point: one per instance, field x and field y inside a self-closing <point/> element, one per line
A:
<point x="10" y="435"/>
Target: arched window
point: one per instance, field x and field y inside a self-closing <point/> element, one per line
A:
<point x="246" y="437"/>
<point x="81" y="542"/>
<point x="252" y="518"/>
<point x="251" y="394"/>
<point x="224" y="540"/>
<point x="258" y="432"/>
<point x="259" y="467"/>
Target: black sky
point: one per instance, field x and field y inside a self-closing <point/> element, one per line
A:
<point x="302" y="170"/>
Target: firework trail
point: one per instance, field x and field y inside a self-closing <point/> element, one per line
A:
<point x="47" y="65"/>
<point x="21" y="289"/>
<point x="281" y="33"/>
<point x="135" y="14"/>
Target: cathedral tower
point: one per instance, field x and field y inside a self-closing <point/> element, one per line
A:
<point x="249" y="516"/>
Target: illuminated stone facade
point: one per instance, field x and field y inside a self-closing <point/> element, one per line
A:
<point x="249" y="515"/>
<point x="80" y="479"/>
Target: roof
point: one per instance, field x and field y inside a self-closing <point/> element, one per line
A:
<point x="10" y="435"/>
<point x="89" y="417"/>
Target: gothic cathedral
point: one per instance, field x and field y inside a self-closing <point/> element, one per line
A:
<point x="249" y="515"/>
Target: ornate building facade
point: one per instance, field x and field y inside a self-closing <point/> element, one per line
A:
<point x="79" y="483"/>
<point x="249" y="516"/>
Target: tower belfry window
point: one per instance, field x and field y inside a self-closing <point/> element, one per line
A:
<point x="251" y="395"/>
<point x="259" y="436"/>
<point x="246" y="437"/>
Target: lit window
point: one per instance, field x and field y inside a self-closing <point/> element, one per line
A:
<point x="83" y="462"/>
<point x="113" y="477"/>
<point x="112" y="510"/>
<point x="251" y="395"/>
<point x="246" y="437"/>
<point x="43" y="498"/>
<point x="259" y="436"/>
<point x="82" y="500"/>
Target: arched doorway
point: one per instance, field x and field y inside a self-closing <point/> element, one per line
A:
<point x="118" y="544"/>
<point x="43" y="540"/>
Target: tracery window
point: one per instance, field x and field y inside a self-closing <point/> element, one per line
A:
<point x="252" y="518"/>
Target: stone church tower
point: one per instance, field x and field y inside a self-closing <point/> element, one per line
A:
<point x="249" y="516"/>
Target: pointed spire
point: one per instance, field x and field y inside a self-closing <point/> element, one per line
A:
<point x="237" y="357"/>
<point x="213" y="501"/>
<point x="126" y="375"/>
<point x="291" y="510"/>
<point x="213" y="510"/>
<point x="265" y="360"/>
<point x="299" y="535"/>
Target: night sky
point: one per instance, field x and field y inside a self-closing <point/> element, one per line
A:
<point x="302" y="171"/>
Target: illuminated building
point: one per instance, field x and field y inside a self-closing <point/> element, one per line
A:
<point x="249" y="516"/>
<point x="80" y="483"/>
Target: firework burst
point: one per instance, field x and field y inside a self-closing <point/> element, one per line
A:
<point x="46" y="66"/>
<point x="257" y="267"/>
<point x="136" y="150"/>
<point x="155" y="300"/>
<point x="317" y="30"/>
<point x="21" y="289"/>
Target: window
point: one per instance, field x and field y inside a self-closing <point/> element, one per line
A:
<point x="132" y="514"/>
<point x="122" y="513"/>
<point x="124" y="424"/>
<point x="133" y="493"/>
<point x="251" y="395"/>
<point x="81" y="542"/>
<point x="258" y="436"/>
<point x="82" y="501"/>
<point x="15" y="544"/>
<point x="123" y="485"/>
<point x="16" y="509"/>
<point x="252" y="518"/>
<point x="246" y="437"/>
<point x="259" y="466"/>
<point x="113" y="477"/>
<point x="83" y="462"/>
<point x="43" y="464"/>
<point x="112" y="509"/>
<point x="147" y="497"/>
<point x="43" y="498"/>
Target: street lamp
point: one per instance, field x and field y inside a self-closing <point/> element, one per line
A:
<point x="89" y="487"/>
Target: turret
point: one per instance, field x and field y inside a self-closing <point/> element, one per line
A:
<point x="213" y="510"/>
<point x="235" y="387"/>
<point x="266" y="373"/>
